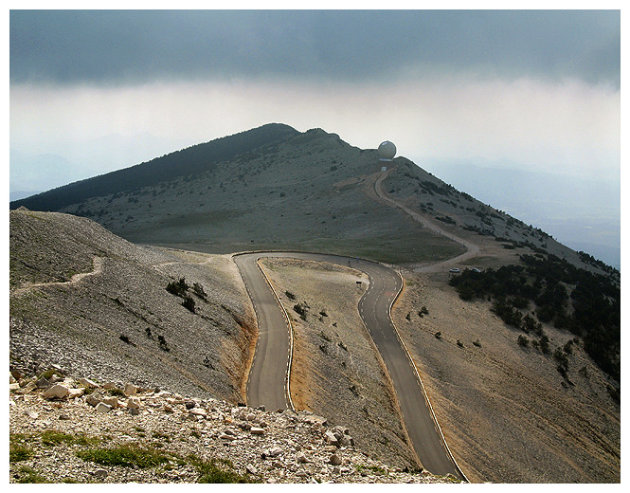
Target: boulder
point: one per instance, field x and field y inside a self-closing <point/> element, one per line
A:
<point x="133" y="403"/>
<point x="111" y="401"/>
<point x="274" y="451"/>
<point x="74" y="393"/>
<point x="130" y="389"/>
<point x="31" y="413"/>
<point x="43" y="383"/>
<point x="57" y="391"/>
<point x="335" y="460"/>
<point x="257" y="431"/>
<point x="94" y="398"/>
<point x="87" y="383"/>
<point x="331" y="438"/>
<point x="101" y="407"/>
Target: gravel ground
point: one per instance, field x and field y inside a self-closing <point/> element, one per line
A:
<point x="71" y="440"/>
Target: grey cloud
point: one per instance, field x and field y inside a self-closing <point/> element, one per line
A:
<point x="123" y="46"/>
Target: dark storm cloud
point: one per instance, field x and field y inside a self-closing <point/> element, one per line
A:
<point x="123" y="46"/>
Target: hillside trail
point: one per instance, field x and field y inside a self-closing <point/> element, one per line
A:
<point x="472" y="249"/>
<point x="97" y="263"/>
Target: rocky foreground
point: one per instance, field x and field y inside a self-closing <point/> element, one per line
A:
<point x="66" y="430"/>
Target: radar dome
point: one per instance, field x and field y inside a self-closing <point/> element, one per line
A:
<point x="387" y="150"/>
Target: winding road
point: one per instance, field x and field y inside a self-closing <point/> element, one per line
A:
<point x="268" y="377"/>
<point x="270" y="371"/>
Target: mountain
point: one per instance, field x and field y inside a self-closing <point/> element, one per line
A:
<point x="276" y="188"/>
<point x="194" y="159"/>
<point x="516" y="336"/>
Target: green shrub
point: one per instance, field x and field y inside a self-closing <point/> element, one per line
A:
<point x="178" y="288"/>
<point x="189" y="303"/>
<point x="199" y="291"/>
<point x="54" y="437"/>
<point x="211" y="472"/>
<point x="18" y="453"/>
<point x="523" y="341"/>
<point x="124" y="455"/>
<point x="28" y="475"/>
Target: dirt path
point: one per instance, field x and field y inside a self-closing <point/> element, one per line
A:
<point x="97" y="269"/>
<point x="472" y="249"/>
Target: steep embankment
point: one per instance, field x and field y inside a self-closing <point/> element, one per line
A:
<point x="84" y="298"/>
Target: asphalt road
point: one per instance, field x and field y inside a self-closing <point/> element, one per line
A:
<point x="268" y="375"/>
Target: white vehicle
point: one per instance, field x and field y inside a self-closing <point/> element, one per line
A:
<point x="454" y="270"/>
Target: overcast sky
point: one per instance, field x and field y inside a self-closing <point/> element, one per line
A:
<point x="100" y="90"/>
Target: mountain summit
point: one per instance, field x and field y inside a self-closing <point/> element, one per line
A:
<point x="273" y="187"/>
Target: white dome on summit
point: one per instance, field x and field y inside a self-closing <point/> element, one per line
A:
<point x="387" y="150"/>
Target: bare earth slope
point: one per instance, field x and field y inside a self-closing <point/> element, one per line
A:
<point x="504" y="410"/>
<point x="120" y="321"/>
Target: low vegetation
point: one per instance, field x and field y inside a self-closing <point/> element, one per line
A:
<point x="572" y="299"/>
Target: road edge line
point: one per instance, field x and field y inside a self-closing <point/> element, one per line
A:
<point x="415" y="368"/>
<point x="290" y="327"/>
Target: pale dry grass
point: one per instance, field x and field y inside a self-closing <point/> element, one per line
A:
<point x="504" y="410"/>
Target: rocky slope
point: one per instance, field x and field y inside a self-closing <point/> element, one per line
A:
<point x="121" y="322"/>
<point x="66" y="430"/>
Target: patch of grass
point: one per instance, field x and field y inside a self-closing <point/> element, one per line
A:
<point x="29" y="475"/>
<point x="159" y="435"/>
<point x="53" y="437"/>
<point x="124" y="455"/>
<point x="19" y="453"/>
<point x="210" y="472"/>
<point x="116" y="392"/>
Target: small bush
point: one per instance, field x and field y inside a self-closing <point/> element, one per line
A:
<point x="28" y="475"/>
<point x="544" y="344"/>
<point x="199" y="291"/>
<point x="301" y="310"/>
<point x="523" y="341"/>
<point x="189" y="304"/>
<point x="438" y="335"/>
<point x="211" y="472"/>
<point x="53" y="437"/>
<point x="125" y="339"/>
<point x="18" y="453"/>
<point x="178" y="288"/>
<point x="460" y="343"/>
<point x="163" y="344"/>
<point x="290" y="295"/>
